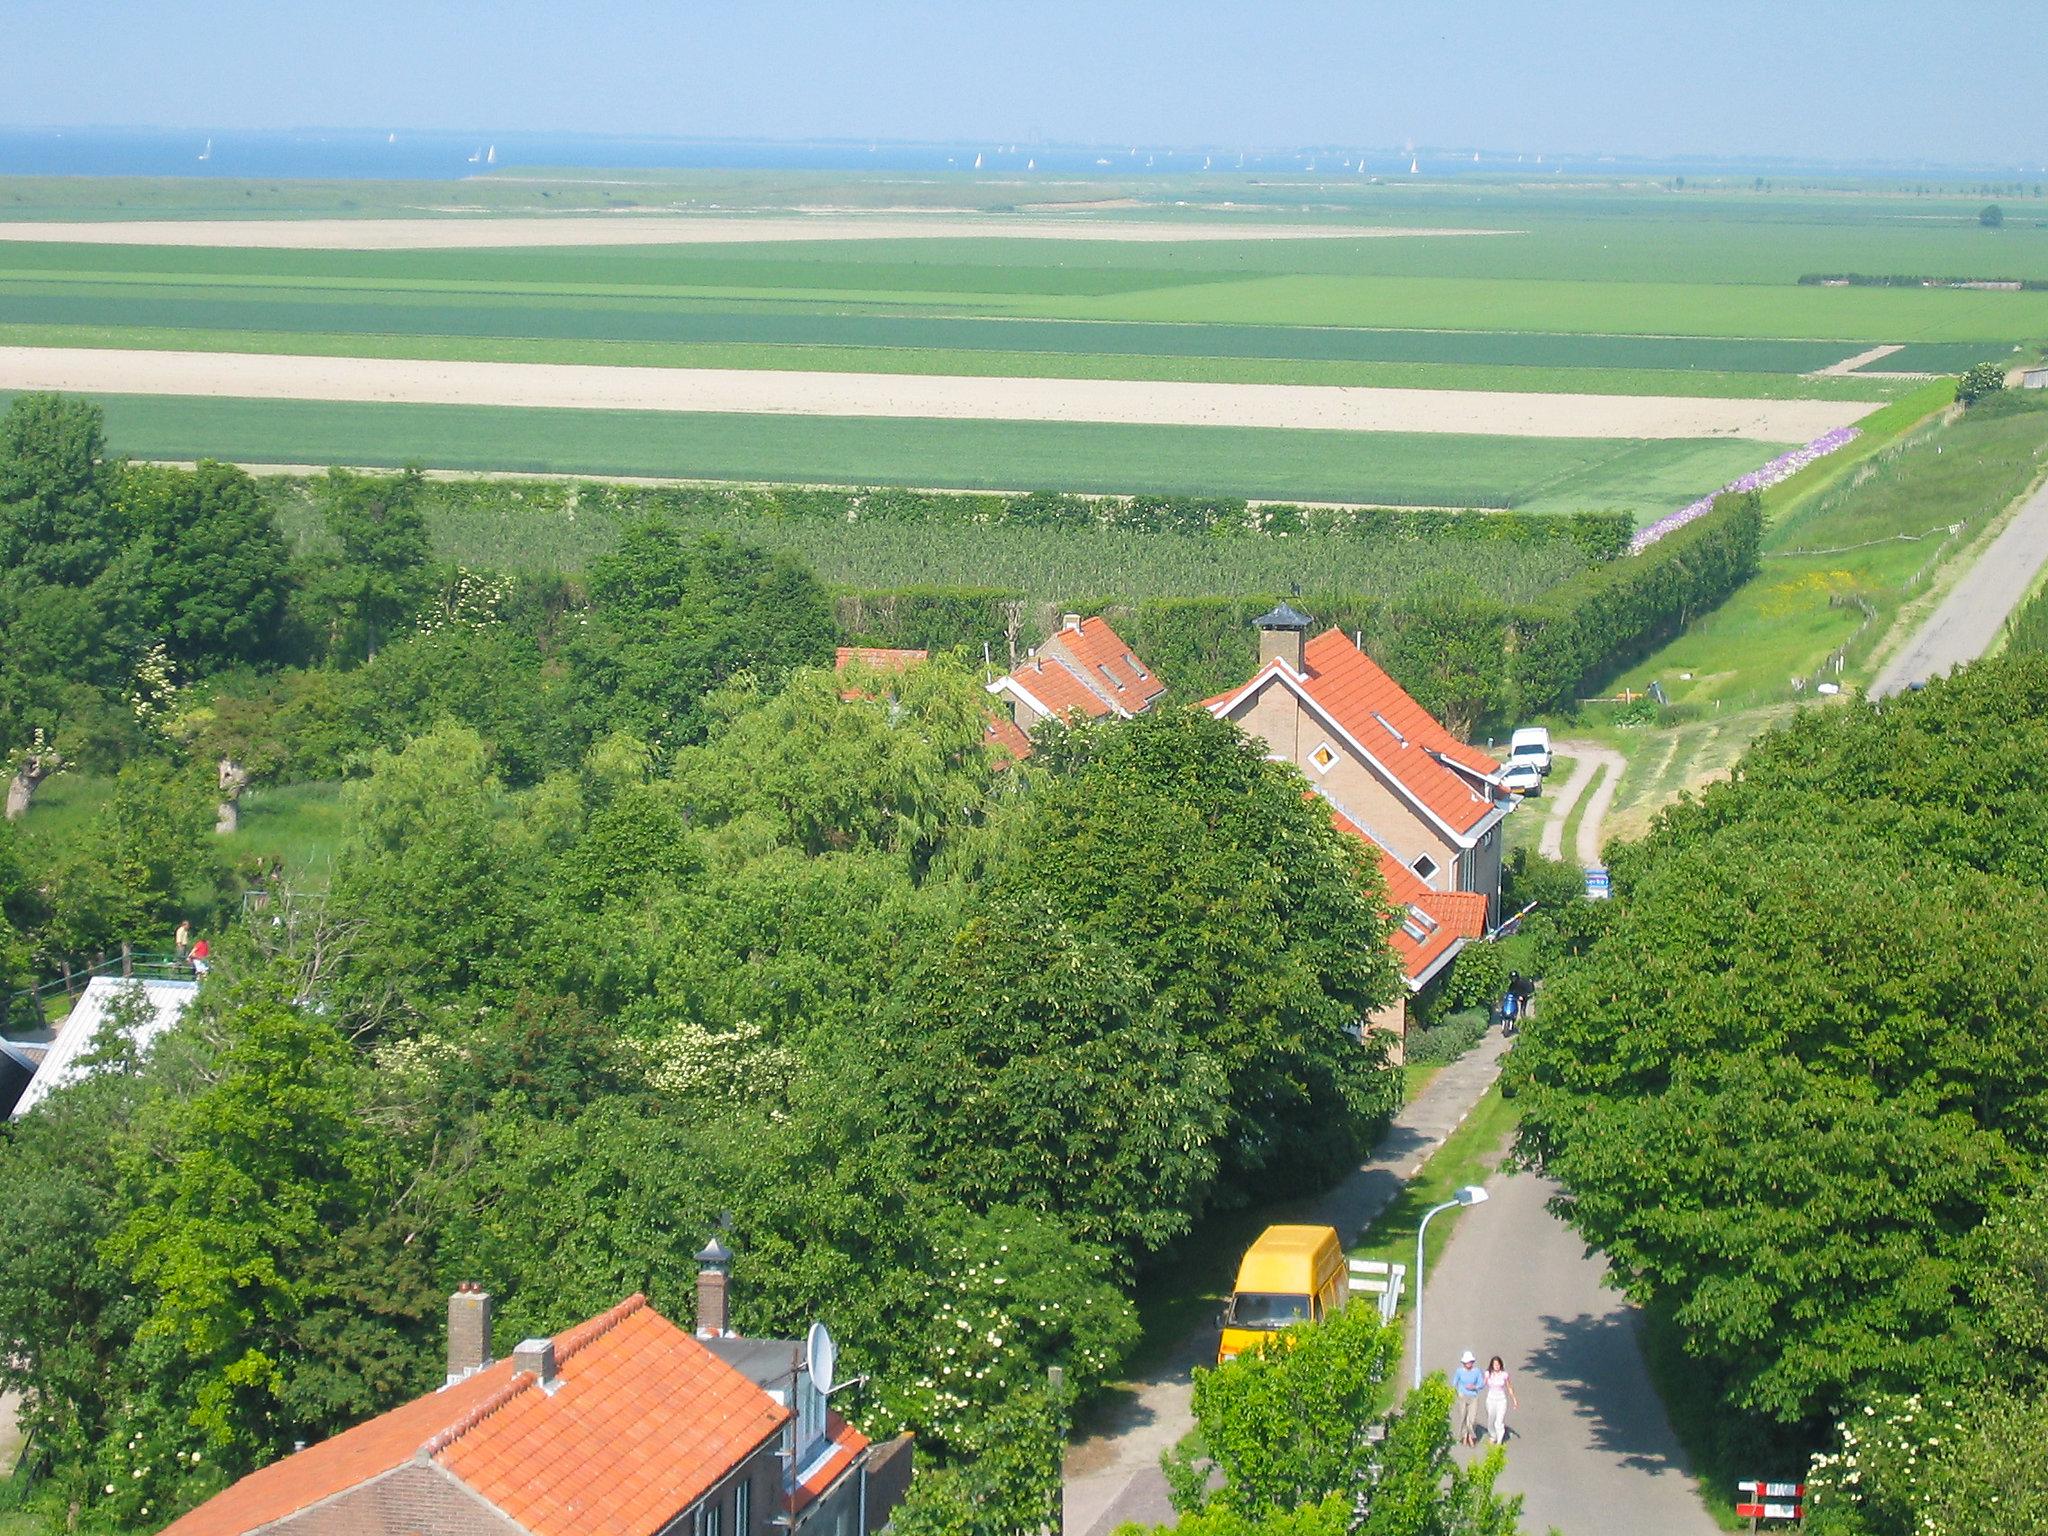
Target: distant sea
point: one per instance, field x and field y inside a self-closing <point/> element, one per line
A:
<point x="401" y="155"/>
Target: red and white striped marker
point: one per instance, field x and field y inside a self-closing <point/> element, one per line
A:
<point x="1771" y="1501"/>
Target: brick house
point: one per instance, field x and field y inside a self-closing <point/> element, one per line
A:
<point x="1408" y="785"/>
<point x="624" y="1425"/>
<point x="1083" y="669"/>
<point x="1430" y="806"/>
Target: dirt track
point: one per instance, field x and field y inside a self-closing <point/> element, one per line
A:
<point x="459" y="233"/>
<point x="82" y="370"/>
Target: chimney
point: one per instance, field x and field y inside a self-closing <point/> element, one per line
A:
<point x="1070" y="621"/>
<point x="537" y="1358"/>
<point x="469" y="1331"/>
<point x="1280" y="635"/>
<point x="713" y="1263"/>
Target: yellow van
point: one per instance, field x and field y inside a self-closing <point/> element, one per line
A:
<point x="1290" y="1275"/>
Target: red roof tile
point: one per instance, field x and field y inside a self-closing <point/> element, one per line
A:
<point x="1432" y="922"/>
<point x="1100" y="655"/>
<point x="1398" y="733"/>
<point x="847" y="1443"/>
<point x="1005" y="738"/>
<point x="644" y="1421"/>
<point x="1058" y="689"/>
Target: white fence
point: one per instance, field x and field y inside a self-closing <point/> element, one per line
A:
<point x="1376" y="1277"/>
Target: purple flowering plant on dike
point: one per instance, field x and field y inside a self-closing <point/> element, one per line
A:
<point x="1783" y="467"/>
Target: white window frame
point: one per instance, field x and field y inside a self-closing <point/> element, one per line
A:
<point x="1432" y="872"/>
<point x="1322" y="748"/>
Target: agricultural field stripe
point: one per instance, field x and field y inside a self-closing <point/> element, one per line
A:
<point x="242" y="375"/>
<point x="471" y="233"/>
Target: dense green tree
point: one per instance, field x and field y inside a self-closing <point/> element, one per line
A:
<point x="217" y="570"/>
<point x="57" y="524"/>
<point x="1281" y="1430"/>
<point x="1979" y="381"/>
<point x="381" y="574"/>
<point x="146" y="852"/>
<point x="1260" y="930"/>
<point x="1029" y="1066"/>
<point x="675" y="615"/>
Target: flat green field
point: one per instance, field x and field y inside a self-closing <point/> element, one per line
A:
<point x="1634" y="288"/>
<point x="1377" y="468"/>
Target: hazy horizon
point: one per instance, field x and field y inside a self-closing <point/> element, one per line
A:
<point x="1869" y="83"/>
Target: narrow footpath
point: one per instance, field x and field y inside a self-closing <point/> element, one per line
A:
<point x="1590" y="1449"/>
<point x="1967" y="621"/>
<point x="1112" y="1473"/>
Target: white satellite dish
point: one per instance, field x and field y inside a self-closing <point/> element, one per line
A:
<point x="822" y="1356"/>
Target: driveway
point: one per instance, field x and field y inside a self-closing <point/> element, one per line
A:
<point x="1588" y="758"/>
<point x="1968" y="620"/>
<point x="1590" y="1448"/>
<point x="1112" y="1470"/>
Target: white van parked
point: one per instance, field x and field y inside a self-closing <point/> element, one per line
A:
<point x="1530" y="745"/>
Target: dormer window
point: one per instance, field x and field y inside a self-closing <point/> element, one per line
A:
<point x="1418" y="924"/>
<point x="1425" y="866"/>
<point x="1324" y="758"/>
<point x="1104" y="670"/>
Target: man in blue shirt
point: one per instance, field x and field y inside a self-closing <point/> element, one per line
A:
<point x="1468" y="1381"/>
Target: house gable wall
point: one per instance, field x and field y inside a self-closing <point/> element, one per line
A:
<point x="417" y="1499"/>
<point x="1290" y="730"/>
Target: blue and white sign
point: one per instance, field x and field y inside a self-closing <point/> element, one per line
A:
<point x="1597" y="888"/>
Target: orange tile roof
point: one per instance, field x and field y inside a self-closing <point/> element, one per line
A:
<point x="1399" y="733"/>
<point x="1005" y="738"/>
<point x="644" y="1422"/>
<point x="1054" y="685"/>
<point x="1447" y="918"/>
<point x="1107" y="663"/>
<point x="880" y="658"/>
<point x="847" y="1443"/>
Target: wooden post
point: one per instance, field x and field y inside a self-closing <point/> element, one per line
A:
<point x="127" y="960"/>
<point x="70" y="991"/>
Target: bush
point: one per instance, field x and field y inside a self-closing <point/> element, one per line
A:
<point x="1441" y="1044"/>
<point x="1992" y="216"/>
<point x="1981" y="380"/>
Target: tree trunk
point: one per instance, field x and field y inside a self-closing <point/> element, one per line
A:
<point x="234" y="778"/>
<point x="28" y="778"/>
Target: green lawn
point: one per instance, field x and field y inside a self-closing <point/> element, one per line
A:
<point x="1843" y="560"/>
<point x="1472" y="1154"/>
<point x="1377" y="468"/>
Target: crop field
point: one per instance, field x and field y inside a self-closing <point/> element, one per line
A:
<point x="1600" y="289"/>
<point x="1371" y="468"/>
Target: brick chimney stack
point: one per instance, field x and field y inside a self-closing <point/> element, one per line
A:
<point x="713" y="1265"/>
<point x="469" y="1331"/>
<point x="1281" y="633"/>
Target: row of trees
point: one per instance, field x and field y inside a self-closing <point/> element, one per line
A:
<point x="1794" y="1081"/>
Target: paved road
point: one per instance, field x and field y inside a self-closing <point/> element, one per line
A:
<point x="1112" y="1473"/>
<point x="1969" y="618"/>
<point x="1590" y="1448"/>
<point x="1587" y="759"/>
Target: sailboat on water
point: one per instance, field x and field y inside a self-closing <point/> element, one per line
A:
<point x="492" y="157"/>
<point x="977" y="161"/>
<point x="475" y="155"/>
<point x="207" y="153"/>
<point x="1414" y="167"/>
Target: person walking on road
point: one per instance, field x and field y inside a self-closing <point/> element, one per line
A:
<point x="1500" y="1392"/>
<point x="1467" y="1381"/>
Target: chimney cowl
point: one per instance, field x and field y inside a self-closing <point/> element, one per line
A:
<point x="712" y="1302"/>
<point x="714" y="1255"/>
<point x="1070" y="621"/>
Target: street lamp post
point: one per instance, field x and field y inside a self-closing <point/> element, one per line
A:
<point x="1471" y="1194"/>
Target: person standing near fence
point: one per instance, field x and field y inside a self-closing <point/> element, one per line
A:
<point x="184" y="939"/>
<point x="202" y="954"/>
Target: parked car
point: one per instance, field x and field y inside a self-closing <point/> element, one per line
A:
<point x="1531" y="744"/>
<point x="1522" y="778"/>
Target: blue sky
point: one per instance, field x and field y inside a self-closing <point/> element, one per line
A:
<point x="1876" y="79"/>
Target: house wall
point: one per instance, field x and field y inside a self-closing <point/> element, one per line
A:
<point x="1392" y="1020"/>
<point x="1482" y="869"/>
<point x="1291" y="731"/>
<point x="418" y="1499"/>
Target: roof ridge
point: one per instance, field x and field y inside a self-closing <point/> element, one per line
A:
<point x="440" y="1442"/>
<point x="585" y="1334"/>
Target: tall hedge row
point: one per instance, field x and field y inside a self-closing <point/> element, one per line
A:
<point x="1466" y="661"/>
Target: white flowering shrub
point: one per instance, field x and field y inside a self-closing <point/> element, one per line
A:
<point x="155" y="695"/>
<point x="1970" y="1464"/>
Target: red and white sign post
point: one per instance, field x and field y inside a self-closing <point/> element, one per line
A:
<point x="1770" y="1501"/>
